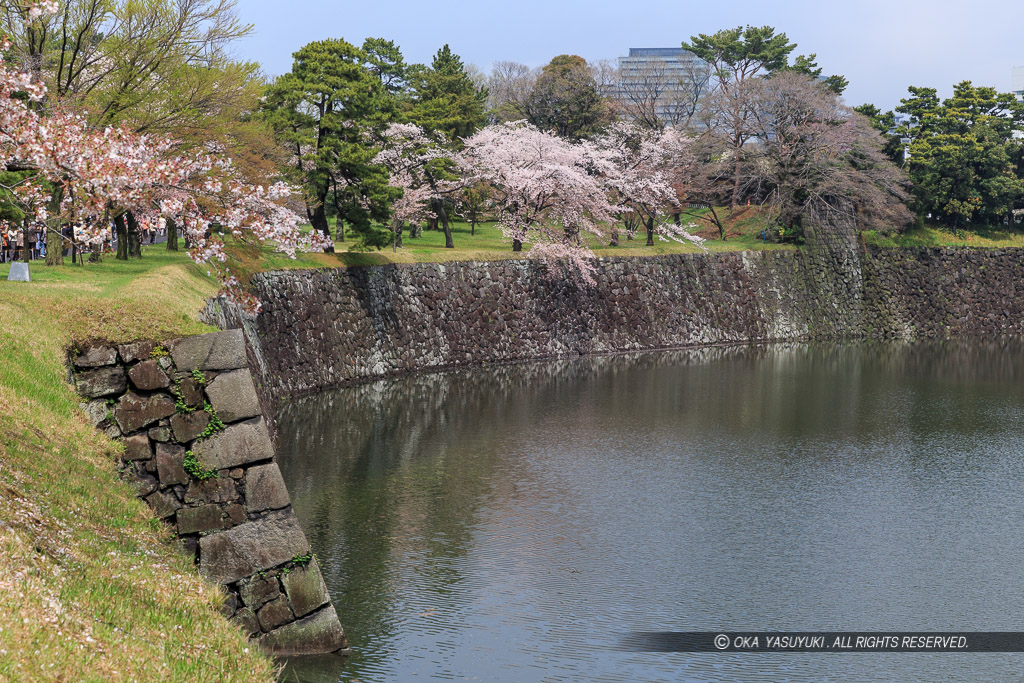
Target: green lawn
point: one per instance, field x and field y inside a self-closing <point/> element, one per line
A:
<point x="941" y="236"/>
<point x="487" y="243"/>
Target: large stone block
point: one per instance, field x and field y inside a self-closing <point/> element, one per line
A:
<point x="200" y="519"/>
<point x="239" y="444"/>
<point x="216" y="351"/>
<point x="147" y="376"/>
<point x="217" y="490"/>
<point x="235" y="513"/>
<point x="106" y="381"/>
<point x="144" y="484"/>
<point x="318" y="633"/>
<point x="19" y="272"/>
<point x="187" y="426"/>
<point x="96" y="356"/>
<point x="161" y="434"/>
<point x="137" y="448"/>
<point x="227" y="556"/>
<point x="97" y="411"/>
<point x="164" y="503"/>
<point x="170" y="464"/>
<point x="275" y="613"/>
<point x="246" y="619"/>
<point x="265" y="489"/>
<point x="233" y="396"/>
<point x="191" y="392"/>
<point x="135" y="351"/>
<point x="258" y="590"/>
<point x="305" y="588"/>
<point x="134" y="412"/>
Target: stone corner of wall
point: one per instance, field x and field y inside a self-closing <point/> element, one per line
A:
<point x="198" y="451"/>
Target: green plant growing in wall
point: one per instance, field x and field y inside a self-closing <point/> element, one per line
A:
<point x="191" y="464"/>
<point x="302" y="560"/>
<point x="199" y="377"/>
<point x="180" y="406"/>
<point x="159" y="352"/>
<point x="213" y="426"/>
<point x="195" y="469"/>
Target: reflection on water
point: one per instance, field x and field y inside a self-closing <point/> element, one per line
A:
<point x="511" y="523"/>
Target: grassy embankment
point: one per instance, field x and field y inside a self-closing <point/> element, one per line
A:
<point x="932" y="235"/>
<point x="488" y="244"/>
<point x="742" y="233"/>
<point x="91" y="589"/>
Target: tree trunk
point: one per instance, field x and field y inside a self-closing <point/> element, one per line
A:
<point x="318" y="218"/>
<point x="54" y="248"/>
<point x="649" y="222"/>
<point x="96" y="252"/>
<point x="675" y="218"/>
<point x="122" y="238"/>
<point x="449" y="243"/>
<point x="53" y="238"/>
<point x="26" y="250"/>
<point x="472" y="227"/>
<point x="172" y="235"/>
<point x="736" y="168"/>
<point x="517" y="245"/>
<point x="415" y="230"/>
<point x="134" y="236"/>
<point x="339" y="224"/>
<point x="714" y="215"/>
<point x="615" y="238"/>
<point x="396" y="229"/>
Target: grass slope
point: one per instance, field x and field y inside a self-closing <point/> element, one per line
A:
<point x="940" y="236"/>
<point x="91" y="588"/>
<point x="488" y="244"/>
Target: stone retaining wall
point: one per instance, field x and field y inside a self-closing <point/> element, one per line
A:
<point x="198" y="451"/>
<point x="324" y="328"/>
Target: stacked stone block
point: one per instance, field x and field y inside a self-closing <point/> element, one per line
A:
<point x="323" y="328"/>
<point x="198" y="451"/>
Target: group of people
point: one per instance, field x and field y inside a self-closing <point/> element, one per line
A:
<point x="12" y="244"/>
<point x="72" y="237"/>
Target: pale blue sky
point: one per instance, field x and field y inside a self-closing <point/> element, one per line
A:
<point x="882" y="46"/>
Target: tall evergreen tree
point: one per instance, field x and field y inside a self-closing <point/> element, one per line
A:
<point x="325" y="109"/>
<point x="965" y="153"/>
<point x="445" y="99"/>
<point x="566" y="99"/>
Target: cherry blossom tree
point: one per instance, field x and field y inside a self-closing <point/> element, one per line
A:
<point x="547" y="191"/>
<point x="650" y="168"/>
<point x="426" y="169"/>
<point x="79" y="173"/>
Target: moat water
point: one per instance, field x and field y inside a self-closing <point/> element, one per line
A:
<point x="514" y="523"/>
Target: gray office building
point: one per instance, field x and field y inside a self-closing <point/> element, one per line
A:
<point x="670" y="78"/>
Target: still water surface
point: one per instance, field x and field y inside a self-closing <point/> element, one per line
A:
<point x="512" y="523"/>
